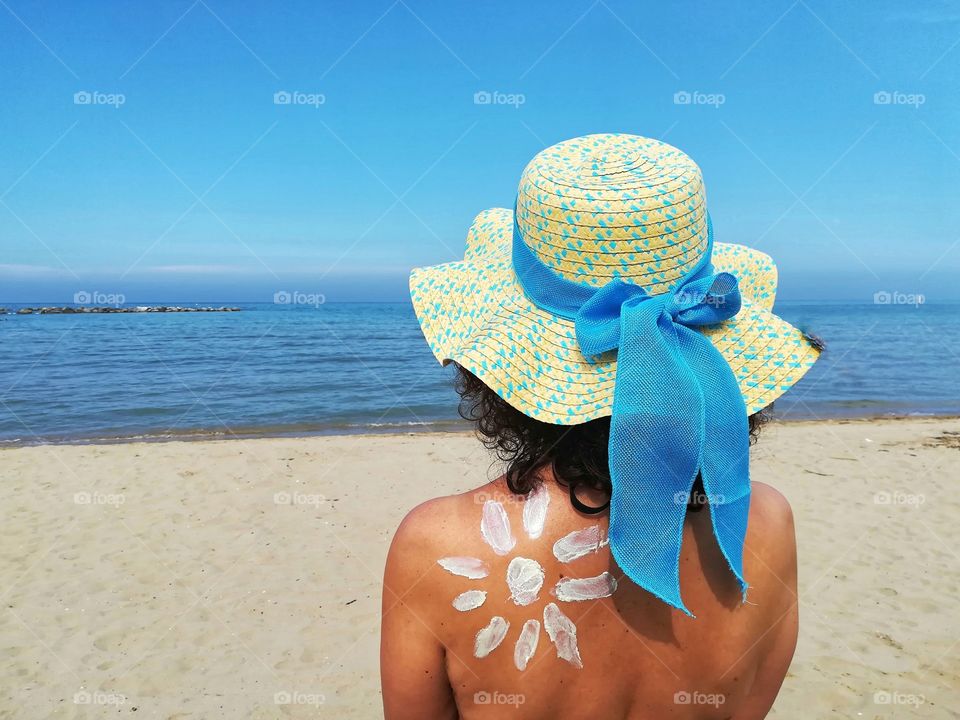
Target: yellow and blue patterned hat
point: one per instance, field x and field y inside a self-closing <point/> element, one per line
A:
<point x="591" y="209"/>
<point x="603" y="293"/>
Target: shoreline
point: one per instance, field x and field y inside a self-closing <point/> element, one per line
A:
<point x="428" y="429"/>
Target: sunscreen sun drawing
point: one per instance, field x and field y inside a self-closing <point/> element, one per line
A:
<point x="525" y="578"/>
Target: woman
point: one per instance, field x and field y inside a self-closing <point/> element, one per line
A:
<point x="624" y="566"/>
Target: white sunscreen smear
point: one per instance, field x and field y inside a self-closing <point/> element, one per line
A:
<point x="495" y="528"/>
<point x="524" y="578"/>
<point x="526" y="644"/>
<point x="467" y="567"/>
<point x="470" y="600"/>
<point x="593" y="588"/>
<point x="490" y="637"/>
<point x="563" y="633"/>
<point x="535" y="511"/>
<point x="577" y="544"/>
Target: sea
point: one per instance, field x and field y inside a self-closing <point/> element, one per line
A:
<point x="286" y="370"/>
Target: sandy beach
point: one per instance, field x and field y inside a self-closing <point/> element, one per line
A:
<point x="241" y="578"/>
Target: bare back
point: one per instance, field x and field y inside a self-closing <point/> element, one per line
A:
<point x="624" y="654"/>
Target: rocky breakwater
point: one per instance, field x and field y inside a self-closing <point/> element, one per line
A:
<point x="99" y="310"/>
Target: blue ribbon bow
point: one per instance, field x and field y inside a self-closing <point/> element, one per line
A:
<point x="677" y="411"/>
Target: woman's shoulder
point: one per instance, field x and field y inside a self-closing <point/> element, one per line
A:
<point x="770" y="547"/>
<point x="428" y="527"/>
<point x="770" y="529"/>
<point x="769" y="504"/>
<point x="424" y="521"/>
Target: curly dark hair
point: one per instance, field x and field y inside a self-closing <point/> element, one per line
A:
<point x="577" y="454"/>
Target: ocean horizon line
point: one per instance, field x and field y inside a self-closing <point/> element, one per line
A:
<point x="61" y="303"/>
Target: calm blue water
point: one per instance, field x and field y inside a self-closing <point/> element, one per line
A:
<point x="274" y="369"/>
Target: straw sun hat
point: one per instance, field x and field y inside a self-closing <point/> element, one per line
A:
<point x="604" y="293"/>
<point x="591" y="209"/>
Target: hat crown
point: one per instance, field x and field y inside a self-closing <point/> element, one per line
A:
<point x="614" y="205"/>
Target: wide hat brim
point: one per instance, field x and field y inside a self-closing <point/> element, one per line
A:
<point x="474" y="312"/>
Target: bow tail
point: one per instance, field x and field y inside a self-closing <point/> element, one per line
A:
<point x="725" y="466"/>
<point x="655" y="451"/>
<point x="726" y="462"/>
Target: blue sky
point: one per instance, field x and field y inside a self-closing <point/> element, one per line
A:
<point x="198" y="186"/>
